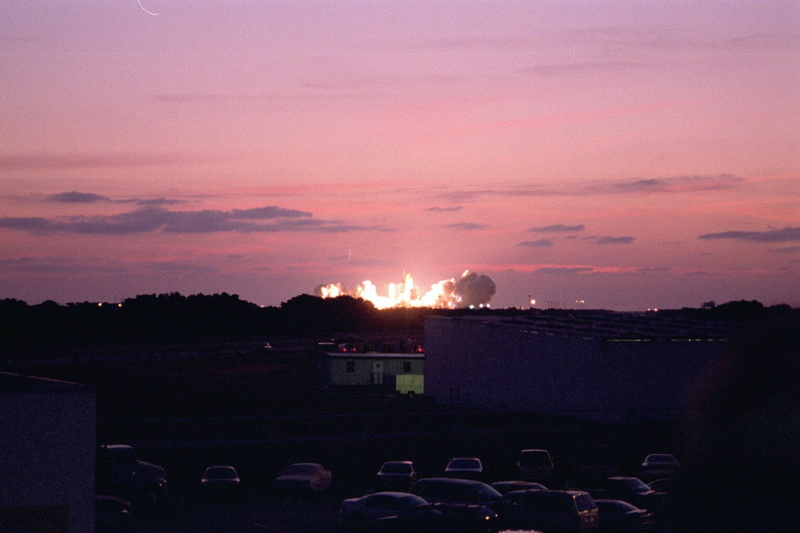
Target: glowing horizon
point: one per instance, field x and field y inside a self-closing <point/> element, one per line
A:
<point x="627" y="155"/>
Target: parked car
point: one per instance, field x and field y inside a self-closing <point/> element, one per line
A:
<point x="504" y="487"/>
<point x="221" y="480"/>
<point x="592" y="463"/>
<point x="621" y="517"/>
<point x="634" y="491"/>
<point x="660" y="465"/>
<point x="551" y="511"/>
<point x="535" y="465"/>
<point x="388" y="510"/>
<point x="112" y="514"/>
<point x="465" y="504"/>
<point x="449" y="490"/>
<point x="119" y="472"/>
<point x="672" y="499"/>
<point x="464" y="468"/>
<point x="396" y="476"/>
<point x="303" y="477"/>
<point x="666" y="485"/>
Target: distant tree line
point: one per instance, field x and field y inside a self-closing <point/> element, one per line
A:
<point x="173" y="317"/>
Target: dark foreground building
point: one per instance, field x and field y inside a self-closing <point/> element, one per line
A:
<point x="47" y="443"/>
<point x="597" y="365"/>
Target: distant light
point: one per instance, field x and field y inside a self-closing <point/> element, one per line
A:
<point x="119" y="305"/>
<point x="99" y="304"/>
<point x="533" y="302"/>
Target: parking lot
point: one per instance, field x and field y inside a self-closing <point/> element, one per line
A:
<point x="256" y="509"/>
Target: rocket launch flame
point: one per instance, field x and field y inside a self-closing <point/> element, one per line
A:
<point x="470" y="290"/>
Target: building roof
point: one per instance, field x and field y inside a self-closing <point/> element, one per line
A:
<point x="18" y="383"/>
<point x="608" y="325"/>
<point x="375" y="355"/>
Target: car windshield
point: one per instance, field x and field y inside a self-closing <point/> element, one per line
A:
<point x="615" y="506"/>
<point x="584" y="502"/>
<point x="661" y="458"/>
<point x="409" y="501"/>
<point x="637" y="485"/>
<point x="394" y="501"/>
<point x="464" y="463"/>
<point x="300" y="470"/>
<point x="396" y="468"/>
<point x="220" y="472"/>
<point x="485" y="493"/>
<point x="537" y="458"/>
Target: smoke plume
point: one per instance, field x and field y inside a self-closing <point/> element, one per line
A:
<point x="470" y="290"/>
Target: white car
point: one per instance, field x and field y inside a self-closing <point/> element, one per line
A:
<point x="303" y="477"/>
<point x="659" y="465"/>
<point x="220" y="477"/>
<point x="396" y="476"/>
<point x="464" y="467"/>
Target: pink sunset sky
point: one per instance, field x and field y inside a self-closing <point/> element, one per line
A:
<point x="628" y="154"/>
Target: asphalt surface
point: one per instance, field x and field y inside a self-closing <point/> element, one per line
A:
<point x="254" y="510"/>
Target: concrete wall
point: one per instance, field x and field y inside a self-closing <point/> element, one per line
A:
<point x="47" y="444"/>
<point x="488" y="365"/>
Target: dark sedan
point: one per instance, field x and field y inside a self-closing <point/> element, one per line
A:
<point x="220" y="480"/>
<point x="388" y="510"/>
<point x="396" y="475"/>
<point x="660" y="465"/>
<point x="621" y="517"/>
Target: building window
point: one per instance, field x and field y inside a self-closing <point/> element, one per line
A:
<point x="351" y="367"/>
<point x="406" y="366"/>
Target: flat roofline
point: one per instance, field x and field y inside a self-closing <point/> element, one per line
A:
<point x="17" y="383"/>
<point x="375" y="355"/>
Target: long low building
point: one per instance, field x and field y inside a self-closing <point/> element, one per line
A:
<point x="402" y="372"/>
<point x="596" y="365"/>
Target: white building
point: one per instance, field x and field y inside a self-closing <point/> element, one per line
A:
<point x="47" y="455"/>
<point x="403" y="372"/>
<point x="597" y="365"/>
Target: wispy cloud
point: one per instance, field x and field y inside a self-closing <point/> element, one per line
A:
<point x="788" y="250"/>
<point x="764" y="42"/>
<point x="437" y="209"/>
<point x="673" y="185"/>
<point x="88" y="161"/>
<point x="465" y="226"/>
<point x="536" y="244"/>
<point x="577" y="68"/>
<point x="33" y="265"/>
<point x="153" y="219"/>
<point x="154" y="202"/>
<point x="699" y="273"/>
<point x="348" y="259"/>
<point x="75" y="197"/>
<point x="777" y="235"/>
<point x="635" y="187"/>
<point x="272" y="211"/>
<point x="558" y="228"/>
<point x="564" y="270"/>
<point x="614" y="240"/>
